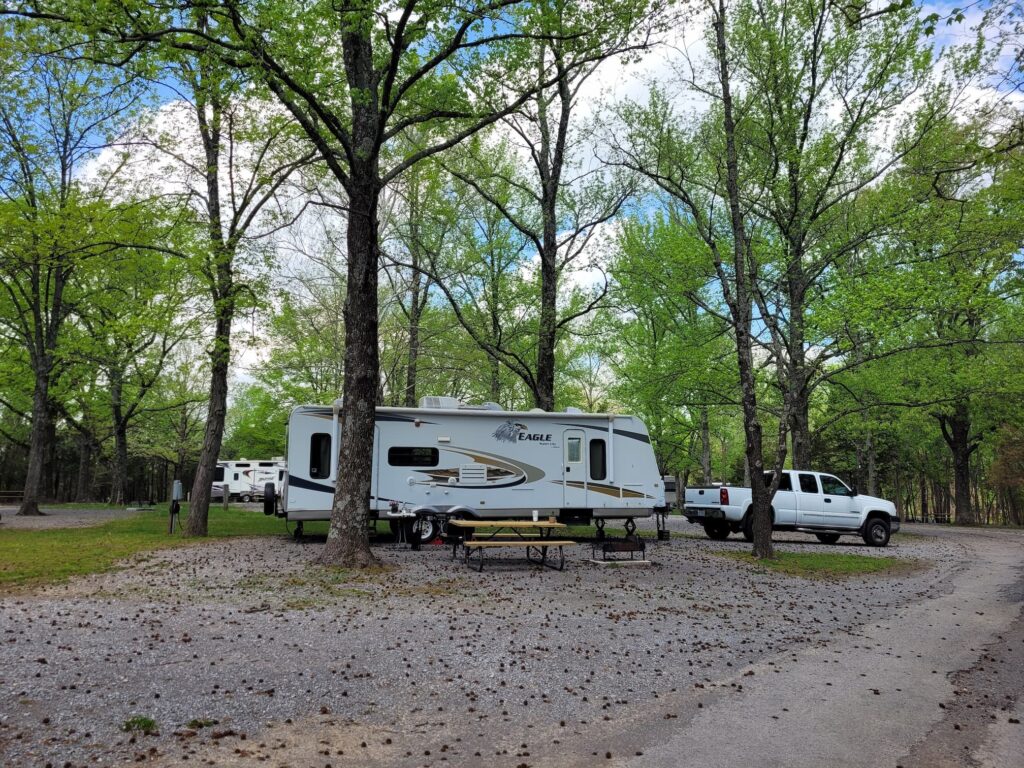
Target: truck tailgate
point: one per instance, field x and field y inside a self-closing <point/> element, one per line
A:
<point x="702" y="497"/>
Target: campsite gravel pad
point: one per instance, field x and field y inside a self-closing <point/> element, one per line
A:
<point x="244" y="650"/>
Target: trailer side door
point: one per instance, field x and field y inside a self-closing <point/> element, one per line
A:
<point x="574" y="469"/>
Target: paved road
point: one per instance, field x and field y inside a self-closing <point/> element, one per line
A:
<point x="938" y="684"/>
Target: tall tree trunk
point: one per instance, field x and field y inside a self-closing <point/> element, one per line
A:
<point x="119" y="489"/>
<point x="553" y="138"/>
<point x="209" y="109"/>
<point x="37" y="447"/>
<point x="544" y="395"/>
<point x="220" y="356"/>
<point x="492" y="360"/>
<point x="348" y="542"/>
<point x="83" y="483"/>
<point x="800" y="430"/>
<point x="872" y="467"/>
<point x="51" y="464"/>
<point x="741" y="310"/>
<point x="705" y="447"/>
<point x="956" y="431"/>
<point x="119" y="479"/>
<point x="415" y="311"/>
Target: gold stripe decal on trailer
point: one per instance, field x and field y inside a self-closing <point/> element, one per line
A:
<point x="607" y="490"/>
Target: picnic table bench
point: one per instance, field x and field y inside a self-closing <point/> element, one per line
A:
<point x="478" y="536"/>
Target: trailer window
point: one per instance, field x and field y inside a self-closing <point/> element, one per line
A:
<point x="598" y="460"/>
<point x="808" y="483"/>
<point x="413" y="456"/>
<point x="574" y="450"/>
<point x="320" y="455"/>
<point x="218" y="475"/>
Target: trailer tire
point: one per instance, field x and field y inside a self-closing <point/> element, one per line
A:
<point x="717" y="530"/>
<point x="428" y="530"/>
<point x="246" y="498"/>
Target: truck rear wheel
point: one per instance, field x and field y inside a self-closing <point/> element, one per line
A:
<point x="876" y="532"/>
<point x="748" y="524"/>
<point x="717" y="530"/>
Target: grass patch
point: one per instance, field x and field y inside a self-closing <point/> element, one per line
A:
<point x="139" y="724"/>
<point x="29" y="557"/>
<point x="826" y="564"/>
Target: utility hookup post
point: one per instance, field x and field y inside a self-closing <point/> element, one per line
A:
<point x="175" y="507"/>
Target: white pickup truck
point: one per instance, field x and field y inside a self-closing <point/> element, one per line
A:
<point x="813" y="502"/>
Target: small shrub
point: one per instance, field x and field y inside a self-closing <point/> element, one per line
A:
<point x="140" y="724"/>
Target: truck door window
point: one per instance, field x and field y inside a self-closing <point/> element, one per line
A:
<point x="833" y="486"/>
<point x="320" y="455"/>
<point x="574" y="450"/>
<point x="598" y="460"/>
<point x="808" y="483"/>
<point x="784" y="481"/>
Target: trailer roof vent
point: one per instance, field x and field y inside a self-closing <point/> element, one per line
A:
<point x="570" y="409"/>
<point x="537" y="410"/>
<point x="489" y="406"/>
<point x="434" y="401"/>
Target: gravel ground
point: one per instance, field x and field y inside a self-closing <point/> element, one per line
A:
<point x="246" y="652"/>
<point x="61" y="517"/>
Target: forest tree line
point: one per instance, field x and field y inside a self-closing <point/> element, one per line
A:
<point x="795" y="242"/>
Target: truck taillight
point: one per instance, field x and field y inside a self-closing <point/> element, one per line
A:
<point x="723" y="495"/>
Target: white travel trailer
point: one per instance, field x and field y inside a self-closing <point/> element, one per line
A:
<point x="480" y="461"/>
<point x="245" y="479"/>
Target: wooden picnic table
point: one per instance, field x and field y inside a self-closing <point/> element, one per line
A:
<point x="481" y="535"/>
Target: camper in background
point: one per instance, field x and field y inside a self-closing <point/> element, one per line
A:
<point x="245" y="479"/>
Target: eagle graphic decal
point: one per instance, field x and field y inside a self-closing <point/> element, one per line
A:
<point x="509" y="431"/>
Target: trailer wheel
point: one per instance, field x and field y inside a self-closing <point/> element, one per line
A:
<point x="716" y="530"/>
<point x="428" y="530"/>
<point x="246" y="498"/>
